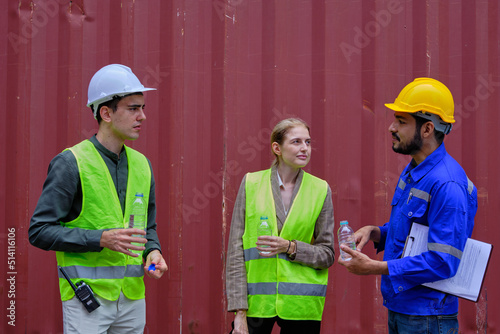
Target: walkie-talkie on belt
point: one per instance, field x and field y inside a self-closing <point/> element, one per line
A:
<point x="83" y="292"/>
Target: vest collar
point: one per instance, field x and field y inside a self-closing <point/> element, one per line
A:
<point x="103" y="150"/>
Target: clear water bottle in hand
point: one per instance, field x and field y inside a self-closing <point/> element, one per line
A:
<point x="138" y="218"/>
<point x="264" y="228"/>
<point x="346" y="237"/>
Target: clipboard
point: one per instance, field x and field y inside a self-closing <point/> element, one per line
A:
<point x="469" y="279"/>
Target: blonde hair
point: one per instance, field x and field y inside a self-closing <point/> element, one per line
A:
<point x="281" y="129"/>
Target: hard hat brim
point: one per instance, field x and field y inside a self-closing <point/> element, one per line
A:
<point x="111" y="96"/>
<point x="415" y="109"/>
<point x="395" y="107"/>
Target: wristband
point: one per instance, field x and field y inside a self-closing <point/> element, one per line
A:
<point x="289" y="244"/>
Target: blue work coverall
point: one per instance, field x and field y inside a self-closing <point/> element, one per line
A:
<point x="436" y="193"/>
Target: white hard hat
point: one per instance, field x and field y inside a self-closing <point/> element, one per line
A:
<point x="112" y="81"/>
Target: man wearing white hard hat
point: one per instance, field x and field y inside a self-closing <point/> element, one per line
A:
<point x="84" y="209"/>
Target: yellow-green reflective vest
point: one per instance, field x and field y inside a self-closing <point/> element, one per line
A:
<point x="277" y="286"/>
<point x="107" y="272"/>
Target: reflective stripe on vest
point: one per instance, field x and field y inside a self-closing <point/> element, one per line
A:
<point x="278" y="286"/>
<point x="107" y="272"/>
<point x="294" y="289"/>
<point x="131" y="270"/>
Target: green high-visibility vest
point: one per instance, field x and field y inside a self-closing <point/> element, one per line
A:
<point x="107" y="272"/>
<point x="277" y="286"/>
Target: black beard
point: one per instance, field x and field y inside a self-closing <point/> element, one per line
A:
<point x="412" y="147"/>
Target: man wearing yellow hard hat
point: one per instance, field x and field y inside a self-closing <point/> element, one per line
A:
<point x="432" y="190"/>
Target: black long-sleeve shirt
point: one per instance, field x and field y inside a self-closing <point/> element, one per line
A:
<point x="61" y="201"/>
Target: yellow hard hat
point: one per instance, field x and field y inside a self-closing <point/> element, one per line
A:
<point x="425" y="95"/>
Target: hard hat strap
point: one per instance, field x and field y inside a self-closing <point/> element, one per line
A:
<point x="439" y="124"/>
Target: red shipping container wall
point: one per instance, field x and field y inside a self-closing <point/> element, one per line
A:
<point x="226" y="72"/>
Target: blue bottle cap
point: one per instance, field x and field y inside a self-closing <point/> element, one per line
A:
<point x="152" y="267"/>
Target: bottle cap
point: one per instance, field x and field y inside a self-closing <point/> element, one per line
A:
<point x="152" y="267"/>
<point x="344" y="222"/>
<point x="139" y="195"/>
<point x="263" y="217"/>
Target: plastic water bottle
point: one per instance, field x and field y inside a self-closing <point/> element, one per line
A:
<point x="264" y="228"/>
<point x="346" y="237"/>
<point x="138" y="218"/>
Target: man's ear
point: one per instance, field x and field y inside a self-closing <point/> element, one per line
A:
<point x="427" y="129"/>
<point x="105" y="113"/>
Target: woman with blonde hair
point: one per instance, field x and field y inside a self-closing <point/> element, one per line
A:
<point x="281" y="278"/>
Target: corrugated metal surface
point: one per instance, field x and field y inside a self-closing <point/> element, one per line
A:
<point x="226" y="71"/>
